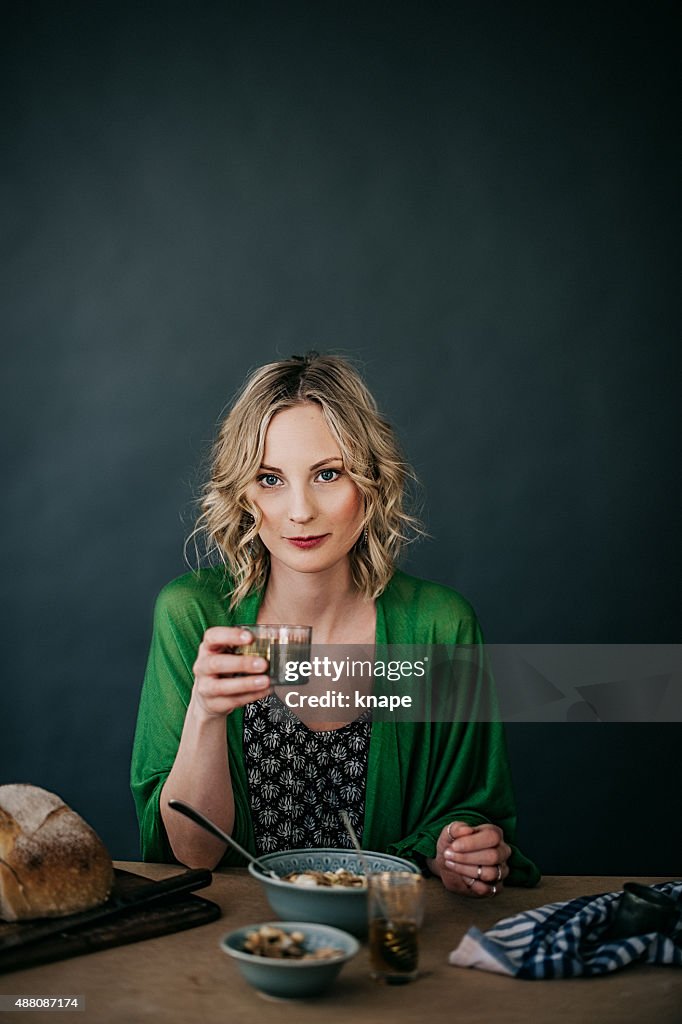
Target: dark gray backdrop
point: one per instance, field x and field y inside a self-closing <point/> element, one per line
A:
<point x="474" y="200"/>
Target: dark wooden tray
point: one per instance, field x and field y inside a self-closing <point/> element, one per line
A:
<point x="172" y="915"/>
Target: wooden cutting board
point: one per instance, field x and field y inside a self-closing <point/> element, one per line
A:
<point x="172" y="915"/>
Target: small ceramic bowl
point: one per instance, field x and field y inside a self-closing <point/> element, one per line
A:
<point x="291" y="979"/>
<point x="642" y="909"/>
<point x="335" y="905"/>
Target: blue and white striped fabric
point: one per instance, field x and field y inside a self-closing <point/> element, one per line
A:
<point x="563" y="940"/>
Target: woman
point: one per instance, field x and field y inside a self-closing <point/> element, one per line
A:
<point x="305" y="507"/>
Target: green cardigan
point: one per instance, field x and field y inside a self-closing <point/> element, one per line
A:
<point x="421" y="775"/>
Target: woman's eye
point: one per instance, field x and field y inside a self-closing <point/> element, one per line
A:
<point x="327" y="475"/>
<point x="268" y="480"/>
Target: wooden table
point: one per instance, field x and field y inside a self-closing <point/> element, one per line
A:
<point x="185" y="978"/>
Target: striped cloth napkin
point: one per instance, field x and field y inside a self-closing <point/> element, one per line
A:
<point x="564" y="940"/>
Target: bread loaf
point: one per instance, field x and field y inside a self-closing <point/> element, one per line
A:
<point x="51" y="861"/>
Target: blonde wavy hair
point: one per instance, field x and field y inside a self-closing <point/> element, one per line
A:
<point x="229" y="523"/>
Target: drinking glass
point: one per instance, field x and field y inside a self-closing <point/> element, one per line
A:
<point x="396" y="911"/>
<point x="282" y="645"/>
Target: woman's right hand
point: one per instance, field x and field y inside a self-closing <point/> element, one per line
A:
<point x="225" y="681"/>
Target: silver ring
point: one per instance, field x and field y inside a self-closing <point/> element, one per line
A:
<point x="469" y="882"/>
<point x="450" y="833"/>
<point x="478" y="873"/>
<point x="499" y="873"/>
<point x="493" y="890"/>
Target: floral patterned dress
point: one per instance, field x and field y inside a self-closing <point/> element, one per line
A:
<point x="299" y="779"/>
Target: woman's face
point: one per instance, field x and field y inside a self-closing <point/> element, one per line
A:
<point x="312" y="511"/>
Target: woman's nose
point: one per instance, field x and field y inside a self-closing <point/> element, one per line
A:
<point x="302" y="507"/>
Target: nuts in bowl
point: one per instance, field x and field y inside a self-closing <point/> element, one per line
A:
<point x="289" y="959"/>
<point x="342" y="877"/>
<point x="278" y="944"/>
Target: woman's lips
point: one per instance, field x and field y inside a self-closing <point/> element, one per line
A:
<point x="307" y="542"/>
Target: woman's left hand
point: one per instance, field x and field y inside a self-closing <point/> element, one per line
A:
<point x="471" y="859"/>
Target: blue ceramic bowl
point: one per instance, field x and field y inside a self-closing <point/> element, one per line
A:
<point x="291" y="979"/>
<point x="341" y="907"/>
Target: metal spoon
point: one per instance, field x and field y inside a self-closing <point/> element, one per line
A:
<point x="363" y="859"/>
<point x="398" y="944"/>
<point x="345" y="818"/>
<point x="354" y="840"/>
<point x="200" y="819"/>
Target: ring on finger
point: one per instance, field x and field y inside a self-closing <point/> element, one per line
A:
<point x="450" y="833"/>
<point x="499" y="873"/>
<point x="479" y="872"/>
<point x="493" y="890"/>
